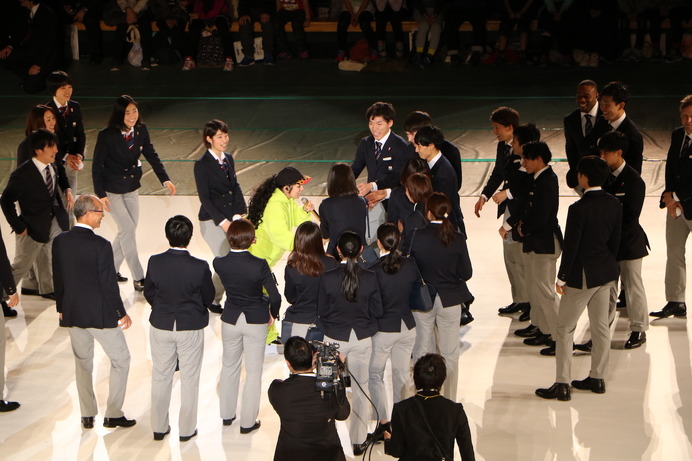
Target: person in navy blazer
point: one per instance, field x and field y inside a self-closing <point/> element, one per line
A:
<point x="116" y="172"/>
<point x="677" y="201"/>
<point x="7" y="284"/>
<point x="221" y="198"/>
<point x="179" y="289"/>
<point x="252" y="304"/>
<point x="580" y="135"/>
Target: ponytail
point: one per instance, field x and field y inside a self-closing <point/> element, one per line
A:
<point x="389" y="237"/>
<point x="258" y="202"/>
<point x="350" y="245"/>
<point x="439" y="206"/>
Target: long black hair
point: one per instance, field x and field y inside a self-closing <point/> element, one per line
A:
<point x="389" y="237"/>
<point x="259" y="200"/>
<point x="350" y="246"/>
<point x="439" y="206"/>
<point x="120" y="105"/>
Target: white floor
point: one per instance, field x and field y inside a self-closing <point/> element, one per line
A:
<point x="645" y="414"/>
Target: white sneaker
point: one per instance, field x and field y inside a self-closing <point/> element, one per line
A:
<point x="189" y="64"/>
<point x="228" y="65"/>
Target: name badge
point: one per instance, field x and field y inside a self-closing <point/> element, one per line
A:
<point x="620" y="194"/>
<point x="386" y="159"/>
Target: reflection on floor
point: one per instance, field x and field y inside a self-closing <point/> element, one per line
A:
<point x="645" y="414"/>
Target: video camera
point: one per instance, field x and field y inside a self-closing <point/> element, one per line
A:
<point x="329" y="367"/>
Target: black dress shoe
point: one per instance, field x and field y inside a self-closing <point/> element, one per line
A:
<point x="30" y="292"/>
<point x="636" y="339"/>
<point x="528" y="332"/>
<point x="115" y="422"/>
<point x="550" y="350"/>
<point x="247" y="430"/>
<point x="228" y="422"/>
<point x="526" y="314"/>
<point x="185" y="438"/>
<point x="120" y="278"/>
<point x="88" y="422"/>
<point x="510" y="309"/>
<point x="466" y="316"/>
<point x="586" y="347"/>
<point x="7" y="311"/>
<point x="558" y="391"/>
<point x="539" y="340"/>
<point x="161" y="435"/>
<point x="216" y="309"/>
<point x="358" y="449"/>
<point x="50" y="296"/>
<point x="672" y="308"/>
<point x="139" y="285"/>
<point x="597" y="386"/>
<point x="6" y="406"/>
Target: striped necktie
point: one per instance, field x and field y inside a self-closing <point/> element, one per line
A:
<point x="49" y="181"/>
<point x="588" y="125"/>
<point x="130" y="139"/>
<point x="378" y="150"/>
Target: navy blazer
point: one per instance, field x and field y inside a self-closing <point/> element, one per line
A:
<point x="116" y="169"/>
<point x="507" y="174"/>
<point x="220" y="195"/>
<point x="679" y="171"/>
<point x="337" y="316"/>
<point x="341" y="214"/>
<point x="179" y="289"/>
<point x="399" y="205"/>
<point x="27" y="187"/>
<point x="576" y="144"/>
<point x="70" y="128"/>
<point x="6" y="278"/>
<point x="592" y="240"/>
<point x="244" y="277"/>
<point x="395" y="290"/>
<point x="538" y="219"/>
<point x="301" y="291"/>
<point x="629" y="189"/>
<point x="86" y="287"/>
<point x="384" y="172"/>
<point x="451" y="153"/>
<point x="447" y="269"/>
<point x="443" y="180"/>
<point x="634" y="156"/>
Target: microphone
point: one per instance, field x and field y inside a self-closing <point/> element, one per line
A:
<point x="314" y="213"/>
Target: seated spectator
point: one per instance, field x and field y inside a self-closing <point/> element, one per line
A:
<point x="297" y="12"/>
<point x="519" y="13"/>
<point x="250" y="12"/>
<point x="171" y="18"/>
<point x="88" y="13"/>
<point x="354" y="12"/>
<point x="641" y="17"/>
<point x="428" y="15"/>
<point x="129" y="13"/>
<point x="678" y="12"/>
<point x="210" y="13"/>
<point x="36" y="46"/>
<point x="389" y="11"/>
<point x="456" y="13"/>
<point x="556" y="21"/>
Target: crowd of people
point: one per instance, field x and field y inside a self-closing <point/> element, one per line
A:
<point x="380" y="271"/>
<point x="198" y="32"/>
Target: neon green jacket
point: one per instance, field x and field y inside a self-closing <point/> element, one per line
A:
<point x="277" y="229"/>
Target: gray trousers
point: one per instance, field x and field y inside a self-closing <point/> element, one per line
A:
<point x="435" y="30"/>
<point x="398" y="347"/>
<point x="219" y="246"/>
<point x="437" y="331"/>
<point x="28" y="252"/>
<point x="376" y="217"/>
<point x="540" y="279"/>
<point x="515" y="264"/>
<point x="242" y="340"/>
<point x="125" y="212"/>
<point x="357" y="354"/>
<point x="572" y="304"/>
<point x="289" y="329"/>
<point x="113" y="342"/>
<point x="167" y="349"/>
<point x="632" y="283"/>
<point x="677" y="231"/>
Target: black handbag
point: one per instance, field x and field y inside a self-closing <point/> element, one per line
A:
<point x="422" y="295"/>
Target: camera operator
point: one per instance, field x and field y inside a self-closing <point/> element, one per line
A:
<point x="308" y="428"/>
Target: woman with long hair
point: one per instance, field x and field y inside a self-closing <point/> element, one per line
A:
<point x="418" y="188"/>
<point x="443" y="258"/>
<point x="252" y="305"/>
<point x="116" y="172"/>
<point x="40" y="116"/>
<point x="220" y="196"/>
<point x="396" y="333"/>
<point x="348" y="304"/>
<point x="275" y="213"/>
<point x="306" y="264"/>
<point x="344" y="210"/>
<point x="399" y="205"/>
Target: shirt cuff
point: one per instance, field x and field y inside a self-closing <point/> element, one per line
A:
<point x="222" y="223"/>
<point x="561" y="283"/>
<point x="388" y="193"/>
<point x="374" y="185"/>
<point x="484" y="197"/>
<point x="509" y="194"/>
<point x="675" y="197"/>
<point x="506" y="226"/>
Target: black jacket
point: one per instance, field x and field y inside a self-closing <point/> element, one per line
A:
<point x="576" y="144"/>
<point x="341" y="214"/>
<point x="679" y="171"/>
<point x="220" y="195"/>
<point x="443" y="180"/>
<point x="384" y="172"/>
<point x="634" y="154"/>
<point x="395" y="290"/>
<point x="301" y="291"/>
<point x="70" y="128"/>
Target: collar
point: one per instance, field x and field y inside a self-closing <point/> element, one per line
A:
<point x="57" y="104"/>
<point x="537" y="173"/>
<point x="178" y="249"/>
<point x="619" y="169"/>
<point x="85" y="226"/>
<point x="384" y="138"/>
<point x="619" y="121"/>
<point x="238" y="251"/>
<point x="33" y="10"/>
<point x="436" y="221"/>
<point x="434" y="160"/>
<point x="593" y="189"/>
<point x="39" y="164"/>
<point x="132" y="130"/>
<point x="593" y="112"/>
<point x="384" y="253"/>
<point x="310" y="374"/>
<point x="216" y="157"/>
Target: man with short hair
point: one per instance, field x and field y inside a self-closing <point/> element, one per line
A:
<point x="308" y="429"/>
<point x="179" y="289"/>
<point x="89" y="304"/>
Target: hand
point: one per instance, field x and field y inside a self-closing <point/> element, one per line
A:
<point x="5" y="52"/>
<point x="70" y="199"/>
<point x="560" y="289"/>
<point x="503" y="233"/>
<point x="26" y="232"/>
<point x="170" y="23"/>
<point x="34" y="70"/>
<point x="194" y="16"/>
<point x="171" y="188"/>
<point x="106" y="204"/>
<point x="500" y="197"/>
<point x="520" y="231"/>
<point x="225" y="226"/>
<point x="271" y="320"/>
<point x="125" y="322"/>
<point x="14" y="300"/>
<point x="479" y="206"/>
<point x="400" y="225"/>
<point x="376" y="197"/>
<point x="387" y="435"/>
<point x="73" y="161"/>
<point x="673" y="209"/>
<point x="264" y="18"/>
<point x="79" y="17"/>
<point x="131" y="16"/>
<point x="364" y="189"/>
<point x="308" y="206"/>
<point x="244" y="20"/>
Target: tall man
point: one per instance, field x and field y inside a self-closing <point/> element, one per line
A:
<point x="677" y="200"/>
<point x="587" y="272"/>
<point x="384" y="155"/>
<point x="10" y="288"/>
<point x="35" y="186"/>
<point x="628" y="187"/>
<point x="179" y="288"/>
<point x="89" y="304"/>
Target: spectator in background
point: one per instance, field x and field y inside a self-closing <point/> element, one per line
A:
<point x="130" y="13"/>
<point x="456" y="13"/>
<point x="640" y="17"/>
<point x="389" y="11"/>
<point x="354" y="12"/>
<point x="208" y="13"/>
<point x="518" y="13"/>
<point x="250" y="12"/>
<point x="298" y="13"/>
<point x="88" y="13"/>
<point x="556" y="22"/>
<point x="428" y="15"/>
<point x="171" y="18"/>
